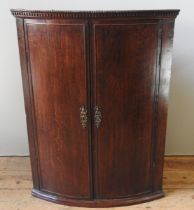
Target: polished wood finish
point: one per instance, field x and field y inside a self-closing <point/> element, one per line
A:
<point x="120" y="78"/>
<point x="96" y="91"/>
<point x="60" y="90"/>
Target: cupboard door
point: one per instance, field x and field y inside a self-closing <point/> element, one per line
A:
<point x="57" y="63"/>
<point x="123" y="89"/>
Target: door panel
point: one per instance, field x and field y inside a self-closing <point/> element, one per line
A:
<point x="124" y="82"/>
<point x="58" y="72"/>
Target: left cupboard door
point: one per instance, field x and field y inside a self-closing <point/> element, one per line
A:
<point x="58" y="75"/>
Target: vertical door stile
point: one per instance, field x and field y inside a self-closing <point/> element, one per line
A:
<point x="33" y="124"/>
<point x="89" y="102"/>
<point x="156" y="101"/>
<point x="93" y="104"/>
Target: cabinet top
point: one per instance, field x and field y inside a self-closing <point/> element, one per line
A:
<point x="53" y="14"/>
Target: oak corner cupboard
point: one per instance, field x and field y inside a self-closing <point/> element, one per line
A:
<point x="96" y="91"/>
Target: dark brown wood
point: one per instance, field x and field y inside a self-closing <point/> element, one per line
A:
<point x="59" y="84"/>
<point x="125" y="69"/>
<point x="27" y="89"/>
<point x="114" y="65"/>
<point x="163" y="90"/>
<point x="96" y="203"/>
<point x="54" y="14"/>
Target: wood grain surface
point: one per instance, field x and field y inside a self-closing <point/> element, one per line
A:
<point x="16" y="184"/>
<point x="114" y="68"/>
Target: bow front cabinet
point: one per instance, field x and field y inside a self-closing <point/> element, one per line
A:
<point x="96" y="90"/>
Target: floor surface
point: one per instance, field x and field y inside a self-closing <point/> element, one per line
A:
<point x="16" y="184"/>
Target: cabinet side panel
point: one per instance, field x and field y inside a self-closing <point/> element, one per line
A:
<point x="28" y="101"/>
<point x="165" y="72"/>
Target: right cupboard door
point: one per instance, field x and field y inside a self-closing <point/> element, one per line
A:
<point x="124" y="89"/>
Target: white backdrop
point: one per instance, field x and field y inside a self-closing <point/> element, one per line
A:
<point x="180" y="132"/>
